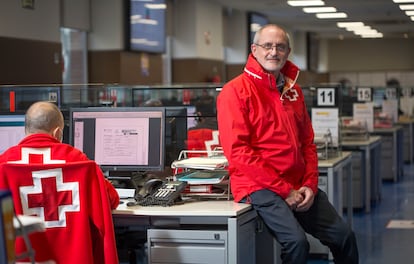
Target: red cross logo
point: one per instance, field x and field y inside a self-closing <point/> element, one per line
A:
<point x="50" y="198"/>
<point x="291" y="94"/>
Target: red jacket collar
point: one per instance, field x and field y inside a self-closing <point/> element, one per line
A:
<point x="255" y="70"/>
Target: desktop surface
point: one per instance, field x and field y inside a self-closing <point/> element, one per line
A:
<point x="189" y="208"/>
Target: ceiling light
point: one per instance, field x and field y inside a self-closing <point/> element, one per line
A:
<point x="402" y="1"/>
<point x="349" y="24"/>
<point x="377" y="35"/>
<point x="305" y="3"/>
<point x="331" y="15"/>
<point x="407" y="7"/>
<point x="365" y="31"/>
<point x="320" y="9"/>
<point x="412" y="18"/>
<point x="409" y="13"/>
<point x="358" y="28"/>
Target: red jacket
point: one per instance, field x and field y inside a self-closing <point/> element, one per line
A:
<point x="267" y="137"/>
<point x="83" y="231"/>
<point x="59" y="150"/>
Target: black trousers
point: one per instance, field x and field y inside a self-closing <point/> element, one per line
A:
<point x="288" y="227"/>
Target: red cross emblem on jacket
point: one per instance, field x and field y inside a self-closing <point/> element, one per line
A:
<point x="48" y="191"/>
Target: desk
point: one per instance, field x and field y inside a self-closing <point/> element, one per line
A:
<point x="223" y="231"/>
<point x="371" y="178"/>
<point x="408" y="131"/>
<point x="211" y="231"/>
<point x="331" y="174"/>
<point x="392" y="167"/>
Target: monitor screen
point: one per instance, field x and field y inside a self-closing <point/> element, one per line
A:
<point x="175" y="132"/>
<point x="146" y="26"/>
<point x="11" y="130"/>
<point x="120" y="138"/>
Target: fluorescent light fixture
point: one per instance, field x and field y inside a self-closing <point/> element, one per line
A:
<point x="324" y="9"/>
<point x="403" y="1"/>
<point x="407" y="7"/>
<point x="412" y="18"/>
<point x="365" y="31"/>
<point x="306" y="3"/>
<point x="409" y="13"/>
<point x="349" y="24"/>
<point x="358" y="28"/>
<point x="331" y="15"/>
<point x="378" y="35"/>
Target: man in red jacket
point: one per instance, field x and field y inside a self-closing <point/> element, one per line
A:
<point x="267" y="137"/>
<point x="43" y="145"/>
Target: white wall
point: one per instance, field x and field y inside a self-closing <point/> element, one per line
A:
<point x="76" y="14"/>
<point x="192" y="20"/>
<point x="371" y="54"/>
<point x="184" y="29"/>
<point x="235" y="36"/>
<point x="41" y="23"/>
<point x="106" y="31"/>
<point x="298" y="45"/>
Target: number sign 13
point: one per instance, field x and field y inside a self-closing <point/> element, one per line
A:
<point x="326" y="97"/>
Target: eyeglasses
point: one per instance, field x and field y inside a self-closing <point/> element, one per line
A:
<point x="269" y="46"/>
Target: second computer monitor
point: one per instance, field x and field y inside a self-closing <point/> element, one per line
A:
<point x="120" y="138"/>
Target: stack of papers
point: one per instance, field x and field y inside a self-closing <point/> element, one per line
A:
<point x="203" y="177"/>
<point x="203" y="163"/>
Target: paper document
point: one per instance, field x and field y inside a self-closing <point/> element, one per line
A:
<point x="206" y="163"/>
<point x="203" y="177"/>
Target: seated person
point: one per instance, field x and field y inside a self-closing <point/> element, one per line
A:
<point x="44" y="126"/>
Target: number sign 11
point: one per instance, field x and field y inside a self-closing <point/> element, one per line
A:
<point x="326" y="97"/>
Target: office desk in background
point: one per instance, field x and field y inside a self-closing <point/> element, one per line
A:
<point x="370" y="178"/>
<point x="220" y="231"/>
<point x="392" y="160"/>
<point x="203" y="231"/>
<point x="408" y="131"/>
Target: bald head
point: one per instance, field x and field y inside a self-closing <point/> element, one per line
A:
<point x="45" y="118"/>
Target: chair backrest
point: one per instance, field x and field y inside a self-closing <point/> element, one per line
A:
<point x="73" y="203"/>
<point x="202" y="139"/>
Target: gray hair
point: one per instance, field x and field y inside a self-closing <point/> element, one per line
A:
<point x="259" y="32"/>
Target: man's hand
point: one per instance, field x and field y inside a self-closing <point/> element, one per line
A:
<point x="294" y="199"/>
<point x="307" y="201"/>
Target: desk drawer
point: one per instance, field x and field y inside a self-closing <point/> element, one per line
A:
<point x="187" y="246"/>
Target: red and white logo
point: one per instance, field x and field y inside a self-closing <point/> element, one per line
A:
<point x="50" y="198"/>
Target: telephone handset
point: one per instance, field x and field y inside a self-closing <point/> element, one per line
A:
<point x="158" y="192"/>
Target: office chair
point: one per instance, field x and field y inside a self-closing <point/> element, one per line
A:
<point x="74" y="206"/>
<point x="202" y="139"/>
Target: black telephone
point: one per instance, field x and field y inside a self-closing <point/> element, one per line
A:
<point x="158" y="192"/>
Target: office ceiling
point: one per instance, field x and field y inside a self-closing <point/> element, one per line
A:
<point x="382" y="15"/>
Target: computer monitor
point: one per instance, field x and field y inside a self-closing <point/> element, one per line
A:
<point x="120" y="138"/>
<point x="11" y="130"/>
<point x="175" y="132"/>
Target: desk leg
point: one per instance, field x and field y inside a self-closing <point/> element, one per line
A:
<point x="241" y="238"/>
<point x="350" y="194"/>
<point x="367" y="180"/>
